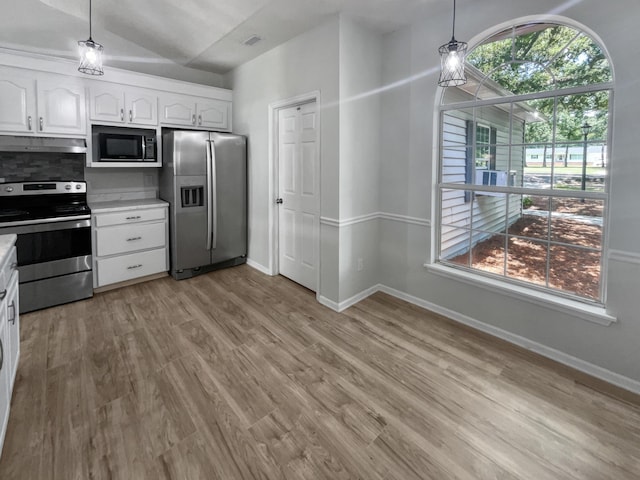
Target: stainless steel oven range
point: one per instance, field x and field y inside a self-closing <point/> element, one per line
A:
<point x="53" y="223"/>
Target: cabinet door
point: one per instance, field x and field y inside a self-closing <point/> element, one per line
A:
<point x="17" y="103"/>
<point x="13" y="326"/>
<point x="106" y="103"/>
<point x="142" y="107"/>
<point x="177" y="110"/>
<point x="213" y="114"/>
<point x="5" y="398"/>
<point x="61" y="107"/>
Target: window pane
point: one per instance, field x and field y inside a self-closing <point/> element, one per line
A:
<point x="527" y="260"/>
<point x="455" y="246"/>
<point x="533" y="121"/>
<point x="577" y="222"/>
<point x="575" y="270"/>
<point x="529" y="216"/>
<point x="488" y="254"/>
<point x="455" y="165"/>
<point x="573" y="111"/>
<point x="537" y="169"/>
<point x="489" y="212"/>
<point x="456" y="211"/>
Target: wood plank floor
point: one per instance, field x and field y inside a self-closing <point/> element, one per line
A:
<point x="236" y="375"/>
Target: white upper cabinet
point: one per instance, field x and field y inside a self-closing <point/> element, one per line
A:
<point x="121" y="104"/>
<point x="61" y="106"/>
<point x="17" y="102"/>
<point x="213" y="114"/>
<point x="195" y="112"/>
<point x="178" y="110"/>
<point x="41" y="103"/>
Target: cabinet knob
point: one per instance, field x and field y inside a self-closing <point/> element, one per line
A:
<point x="193" y="119"/>
<point x="279" y="201"/>
<point x="122" y="114"/>
<point x="29" y="123"/>
<point x="199" y="119"/>
<point x="41" y="123"/>
<point x="131" y="115"/>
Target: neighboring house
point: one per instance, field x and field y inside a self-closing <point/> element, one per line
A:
<point x="475" y="142"/>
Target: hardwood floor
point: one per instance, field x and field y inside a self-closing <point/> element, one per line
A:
<point x="236" y="375"/>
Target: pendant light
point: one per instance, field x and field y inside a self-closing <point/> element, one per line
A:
<point x="452" y="59"/>
<point x="90" y="54"/>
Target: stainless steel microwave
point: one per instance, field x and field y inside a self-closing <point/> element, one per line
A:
<point x="123" y="144"/>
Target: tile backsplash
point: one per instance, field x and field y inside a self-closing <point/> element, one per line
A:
<point x="27" y="167"/>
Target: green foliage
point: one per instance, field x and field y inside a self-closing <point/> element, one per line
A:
<point x="544" y="57"/>
<point x="527" y="202"/>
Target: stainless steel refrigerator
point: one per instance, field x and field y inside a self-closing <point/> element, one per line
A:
<point x="204" y="179"/>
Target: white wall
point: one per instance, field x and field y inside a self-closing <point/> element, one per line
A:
<point x="342" y="60"/>
<point x="407" y="185"/>
<point x="304" y="64"/>
<point x="360" y="80"/>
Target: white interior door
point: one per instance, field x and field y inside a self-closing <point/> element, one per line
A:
<point x="299" y="184"/>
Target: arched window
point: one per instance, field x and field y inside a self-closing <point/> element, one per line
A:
<point x="522" y="183"/>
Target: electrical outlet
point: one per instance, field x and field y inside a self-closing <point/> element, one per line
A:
<point x="360" y="264"/>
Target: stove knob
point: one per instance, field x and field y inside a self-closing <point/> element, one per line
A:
<point x="78" y="187"/>
<point x="67" y="187"/>
<point x="9" y="189"/>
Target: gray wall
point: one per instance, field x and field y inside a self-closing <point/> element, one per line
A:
<point x="405" y="248"/>
<point x="394" y="173"/>
<point x="305" y="64"/>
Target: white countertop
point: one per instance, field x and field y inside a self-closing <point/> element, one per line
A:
<point x="6" y="242"/>
<point x="125" y="205"/>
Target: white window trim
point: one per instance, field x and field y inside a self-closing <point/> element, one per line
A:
<point x="575" y="308"/>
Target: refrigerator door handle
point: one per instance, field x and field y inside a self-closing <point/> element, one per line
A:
<point x="214" y="196"/>
<point x="209" y="195"/>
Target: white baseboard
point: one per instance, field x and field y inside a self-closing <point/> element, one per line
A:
<point x="259" y="267"/>
<point x="561" y="357"/>
<point x="328" y="303"/>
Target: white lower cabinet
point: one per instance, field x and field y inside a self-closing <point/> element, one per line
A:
<point x="128" y="267"/>
<point x="129" y="243"/>
<point x="9" y="332"/>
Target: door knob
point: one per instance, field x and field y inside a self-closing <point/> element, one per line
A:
<point x="279" y="200"/>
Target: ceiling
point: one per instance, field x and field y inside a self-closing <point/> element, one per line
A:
<point x="145" y="35"/>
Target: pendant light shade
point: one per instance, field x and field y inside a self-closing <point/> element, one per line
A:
<point x="90" y="54"/>
<point x="452" y="57"/>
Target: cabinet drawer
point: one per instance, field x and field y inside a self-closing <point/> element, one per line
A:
<point x="129" y="238"/>
<point x="127" y="267"/>
<point x="132" y="216"/>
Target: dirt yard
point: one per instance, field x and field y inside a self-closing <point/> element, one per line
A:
<point x="570" y="269"/>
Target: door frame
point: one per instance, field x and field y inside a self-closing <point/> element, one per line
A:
<point x="274" y="178"/>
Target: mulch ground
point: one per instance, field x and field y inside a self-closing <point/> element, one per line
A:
<point x="570" y="269"/>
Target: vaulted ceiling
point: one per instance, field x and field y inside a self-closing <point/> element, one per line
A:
<point x="201" y="34"/>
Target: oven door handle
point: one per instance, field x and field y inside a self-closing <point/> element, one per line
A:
<point x="45" y="225"/>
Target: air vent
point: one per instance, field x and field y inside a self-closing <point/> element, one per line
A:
<point x="252" y="40"/>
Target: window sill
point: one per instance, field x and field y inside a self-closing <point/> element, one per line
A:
<point x="592" y="313"/>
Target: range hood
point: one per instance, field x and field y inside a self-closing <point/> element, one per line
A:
<point x="42" y="144"/>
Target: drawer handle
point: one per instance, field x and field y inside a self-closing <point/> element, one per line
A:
<point x="12" y="320"/>
<point x="136" y="217"/>
<point x="133" y="239"/>
<point x="3" y="294"/>
<point x="1" y="355"/>
<point x="133" y="267"/>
